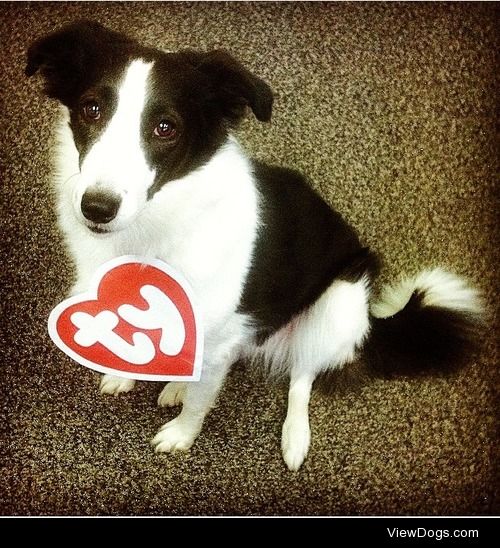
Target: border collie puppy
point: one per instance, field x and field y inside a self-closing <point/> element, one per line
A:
<point x="147" y="165"/>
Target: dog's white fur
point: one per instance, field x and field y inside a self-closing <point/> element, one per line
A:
<point x="440" y="288"/>
<point x="116" y="162"/>
<point x="205" y="225"/>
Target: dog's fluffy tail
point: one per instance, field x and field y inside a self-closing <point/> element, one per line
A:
<point x="427" y="324"/>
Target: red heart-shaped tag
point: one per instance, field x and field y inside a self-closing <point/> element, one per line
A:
<point x="137" y="321"/>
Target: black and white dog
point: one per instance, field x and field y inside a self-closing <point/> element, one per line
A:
<point x="148" y="165"/>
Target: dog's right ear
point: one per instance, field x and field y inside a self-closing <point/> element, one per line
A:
<point x="72" y="55"/>
<point x="229" y="87"/>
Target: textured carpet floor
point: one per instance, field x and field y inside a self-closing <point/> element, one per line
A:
<point x="391" y="110"/>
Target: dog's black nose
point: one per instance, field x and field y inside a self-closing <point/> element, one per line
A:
<point x="100" y="207"/>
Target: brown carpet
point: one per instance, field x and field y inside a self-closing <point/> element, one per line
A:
<point x="391" y="110"/>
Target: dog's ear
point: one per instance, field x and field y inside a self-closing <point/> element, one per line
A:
<point x="231" y="87"/>
<point x="71" y="55"/>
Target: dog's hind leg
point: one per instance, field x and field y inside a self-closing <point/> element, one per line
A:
<point x="296" y="434"/>
<point x="323" y="337"/>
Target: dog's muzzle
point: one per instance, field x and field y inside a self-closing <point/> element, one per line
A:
<point x="100" y="207"/>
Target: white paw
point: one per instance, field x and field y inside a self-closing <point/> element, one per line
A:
<point x="173" y="436"/>
<point x="295" y="440"/>
<point x="172" y="394"/>
<point x="115" y="385"/>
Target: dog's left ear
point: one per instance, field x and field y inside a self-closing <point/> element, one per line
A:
<point x="71" y="55"/>
<point x="231" y="87"/>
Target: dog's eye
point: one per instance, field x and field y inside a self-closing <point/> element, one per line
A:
<point x="91" y="111"/>
<point x="165" y="130"/>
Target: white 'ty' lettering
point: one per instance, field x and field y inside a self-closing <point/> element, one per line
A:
<point x="161" y="314"/>
<point x="99" y="329"/>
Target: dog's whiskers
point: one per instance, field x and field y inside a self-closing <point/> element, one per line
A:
<point x="71" y="177"/>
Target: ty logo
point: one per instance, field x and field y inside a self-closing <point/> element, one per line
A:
<point x="138" y="321"/>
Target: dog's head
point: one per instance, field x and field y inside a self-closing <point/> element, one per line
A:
<point x="140" y="117"/>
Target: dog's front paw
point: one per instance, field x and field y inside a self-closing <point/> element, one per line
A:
<point x="172" y="394"/>
<point x="174" y="436"/>
<point x="295" y="440"/>
<point x="115" y="385"/>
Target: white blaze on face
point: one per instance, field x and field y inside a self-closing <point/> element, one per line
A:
<point x="116" y="162"/>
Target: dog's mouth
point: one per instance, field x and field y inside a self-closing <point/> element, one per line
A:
<point x="98" y="229"/>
